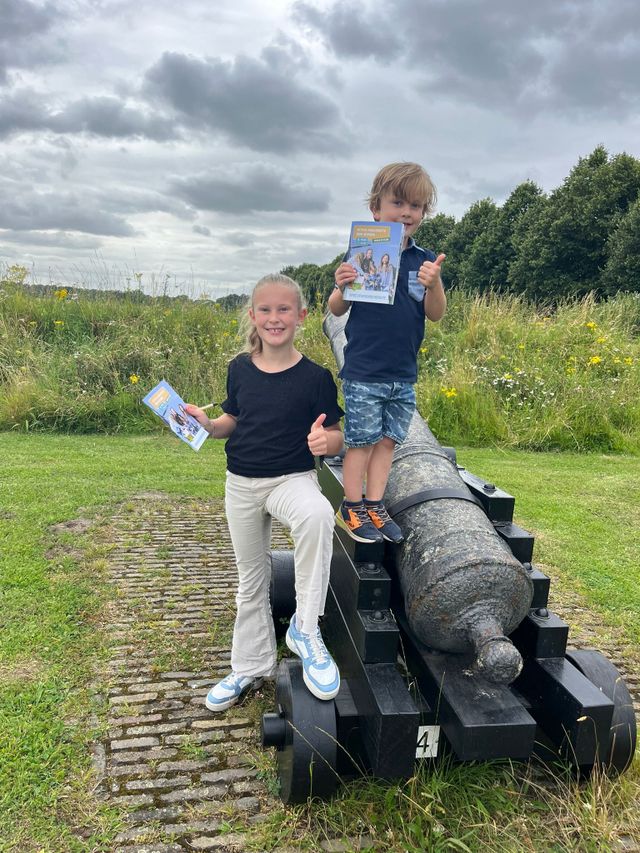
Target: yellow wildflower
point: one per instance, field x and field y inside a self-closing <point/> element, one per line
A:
<point x="134" y="378"/>
<point x="570" y="371"/>
<point x="601" y="340"/>
<point x="448" y="392"/>
<point x="595" y="359"/>
<point x="591" y="325"/>
<point x="61" y="293"/>
<point x="628" y="360"/>
<point x="520" y="346"/>
<point x="58" y="322"/>
<point x="423" y="350"/>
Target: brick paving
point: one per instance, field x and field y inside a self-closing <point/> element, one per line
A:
<point x="183" y="778"/>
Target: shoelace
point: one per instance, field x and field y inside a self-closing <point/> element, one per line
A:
<point x="381" y="511"/>
<point x="360" y="513"/>
<point x="319" y="652"/>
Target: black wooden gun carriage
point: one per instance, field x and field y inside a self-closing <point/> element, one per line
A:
<point x="445" y="644"/>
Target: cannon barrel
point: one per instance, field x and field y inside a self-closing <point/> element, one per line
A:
<point x="463" y="589"/>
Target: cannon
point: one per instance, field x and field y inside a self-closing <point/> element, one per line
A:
<point x="445" y="643"/>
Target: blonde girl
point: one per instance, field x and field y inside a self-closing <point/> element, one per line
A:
<point x="280" y="412"/>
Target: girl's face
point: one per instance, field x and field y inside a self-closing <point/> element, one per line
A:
<point x="276" y="314"/>
<point x="384" y="260"/>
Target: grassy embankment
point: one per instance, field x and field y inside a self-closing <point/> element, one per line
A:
<point x="495" y="371"/>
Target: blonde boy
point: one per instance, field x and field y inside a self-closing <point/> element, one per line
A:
<point x="380" y="358"/>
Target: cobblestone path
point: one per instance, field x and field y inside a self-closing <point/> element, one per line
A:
<point x="184" y="778"/>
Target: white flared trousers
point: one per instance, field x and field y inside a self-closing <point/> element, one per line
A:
<point x="296" y="501"/>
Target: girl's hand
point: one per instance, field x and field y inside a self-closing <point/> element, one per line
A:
<point x="429" y="273"/>
<point x="197" y="413"/>
<point x="317" y="438"/>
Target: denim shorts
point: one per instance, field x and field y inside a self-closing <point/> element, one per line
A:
<point x="377" y="409"/>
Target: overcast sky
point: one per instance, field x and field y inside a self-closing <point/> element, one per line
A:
<point x="211" y="142"/>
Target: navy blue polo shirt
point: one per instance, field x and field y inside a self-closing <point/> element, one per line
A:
<point x="383" y="340"/>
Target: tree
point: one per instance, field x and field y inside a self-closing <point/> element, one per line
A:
<point x="433" y="233"/>
<point x="486" y="265"/>
<point x="564" y="249"/>
<point x="315" y="281"/>
<point x="232" y="301"/>
<point x="622" y="271"/>
<point x="462" y="236"/>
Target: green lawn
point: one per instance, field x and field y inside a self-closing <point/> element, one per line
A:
<point x="584" y="511"/>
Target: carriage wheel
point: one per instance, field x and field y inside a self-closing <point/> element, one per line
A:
<point x="304" y="734"/>
<point x="618" y="753"/>
<point x="282" y="590"/>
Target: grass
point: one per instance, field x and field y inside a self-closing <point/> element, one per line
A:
<point x="495" y="371"/>
<point x="582" y="509"/>
<point x="492" y="807"/>
<point x="52" y="594"/>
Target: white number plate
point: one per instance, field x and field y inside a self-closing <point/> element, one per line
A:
<point x="428" y="737"/>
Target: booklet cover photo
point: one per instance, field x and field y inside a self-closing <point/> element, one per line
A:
<point x="168" y="405"/>
<point x="374" y="251"/>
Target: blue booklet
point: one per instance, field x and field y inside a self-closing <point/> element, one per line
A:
<point x="164" y="402"/>
<point x="374" y="251"/>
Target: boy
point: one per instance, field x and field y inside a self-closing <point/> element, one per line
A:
<point x="380" y="358"/>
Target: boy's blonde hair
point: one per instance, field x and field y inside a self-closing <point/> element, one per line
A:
<point x="253" y="344"/>
<point x="407" y="181"/>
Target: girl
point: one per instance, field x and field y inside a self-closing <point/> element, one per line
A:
<point x="281" y="411"/>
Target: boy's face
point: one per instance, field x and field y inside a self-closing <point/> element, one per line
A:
<point x="395" y="209"/>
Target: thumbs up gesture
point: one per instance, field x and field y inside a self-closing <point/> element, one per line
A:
<point x="317" y="438"/>
<point x="429" y="272"/>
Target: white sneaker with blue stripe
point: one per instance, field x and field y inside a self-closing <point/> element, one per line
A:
<point x="230" y="690"/>
<point x="319" y="671"/>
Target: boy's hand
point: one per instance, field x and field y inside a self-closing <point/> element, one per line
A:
<point x="345" y="274"/>
<point x="429" y="273"/>
<point x="317" y="438"/>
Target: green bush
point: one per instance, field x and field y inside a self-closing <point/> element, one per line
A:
<point x="496" y="370"/>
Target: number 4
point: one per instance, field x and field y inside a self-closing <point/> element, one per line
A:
<point x="427" y="745"/>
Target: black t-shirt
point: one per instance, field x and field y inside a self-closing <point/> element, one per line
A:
<point x="274" y="413"/>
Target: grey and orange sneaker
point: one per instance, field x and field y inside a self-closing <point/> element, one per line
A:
<point x="383" y="522"/>
<point x="354" y="518"/>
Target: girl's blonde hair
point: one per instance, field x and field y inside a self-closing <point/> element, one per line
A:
<point x="252" y="343"/>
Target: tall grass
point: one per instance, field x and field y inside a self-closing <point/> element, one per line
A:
<point x="496" y="370"/>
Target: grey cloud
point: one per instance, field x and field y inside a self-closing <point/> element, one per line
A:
<point x="509" y="55"/>
<point x="25" y="209"/>
<point x="240" y="238"/>
<point x="351" y="31"/>
<point x="21" y="22"/>
<point x="259" y="188"/>
<point x="108" y="116"/>
<point x="57" y="239"/>
<point x="201" y="229"/>
<point x="603" y="80"/>
<point x="131" y="201"/>
<point x="25" y="110"/>
<point x="252" y="102"/>
<point x="284" y="54"/>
